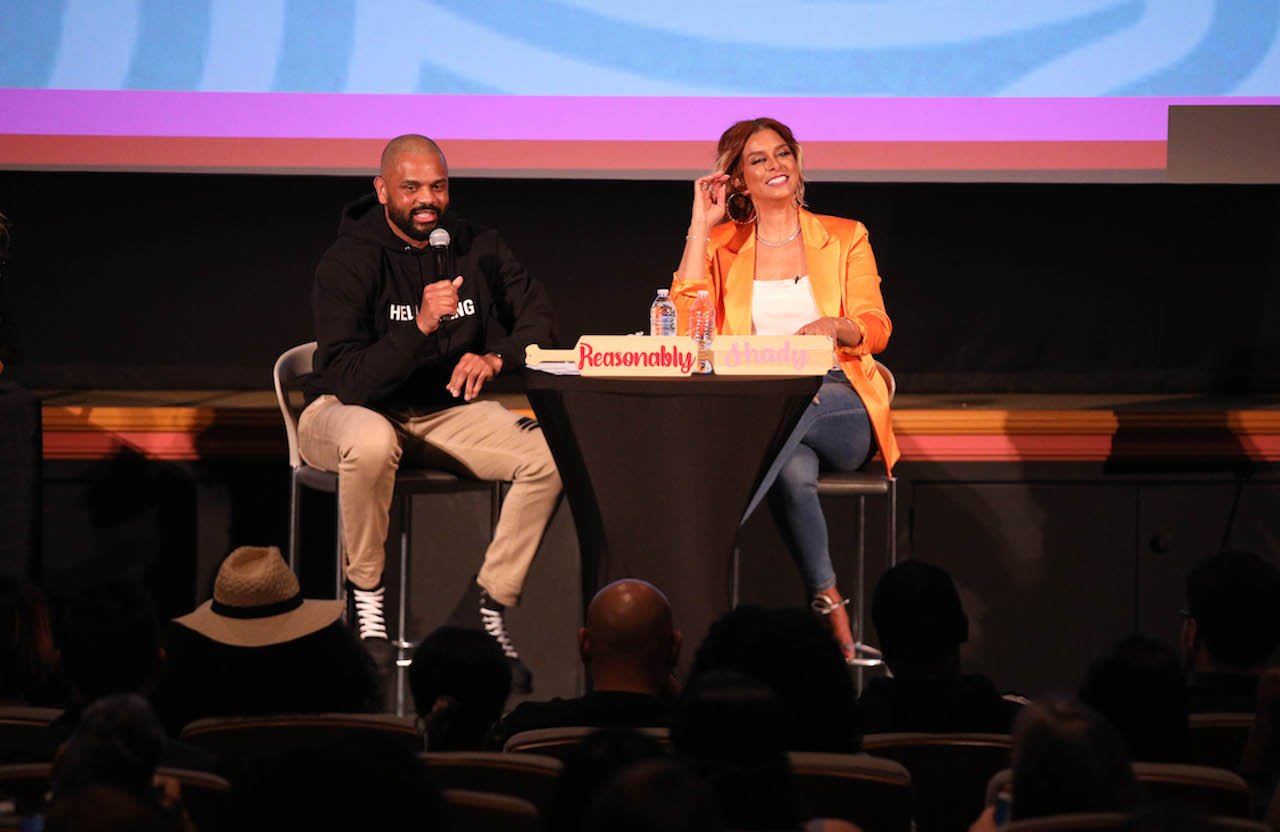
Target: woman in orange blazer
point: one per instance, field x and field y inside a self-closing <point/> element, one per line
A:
<point x="777" y="269"/>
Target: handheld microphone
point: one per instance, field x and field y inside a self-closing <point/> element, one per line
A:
<point x="439" y="242"/>
<point x="438" y="239"/>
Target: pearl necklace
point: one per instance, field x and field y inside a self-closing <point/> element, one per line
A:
<point x="771" y="244"/>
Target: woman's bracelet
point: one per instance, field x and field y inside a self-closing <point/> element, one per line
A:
<point x="706" y="237"/>
<point x="855" y="326"/>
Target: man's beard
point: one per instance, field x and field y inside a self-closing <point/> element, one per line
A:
<point x="404" y="221"/>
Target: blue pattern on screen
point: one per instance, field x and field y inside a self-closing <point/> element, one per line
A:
<point x="29" y="35"/>
<point x="169" y="52"/>
<point x="577" y="47"/>
<point x="1242" y="33"/>
<point x="976" y="67"/>
<point x="317" y="46"/>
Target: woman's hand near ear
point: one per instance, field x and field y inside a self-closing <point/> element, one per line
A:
<point x="709" y="193"/>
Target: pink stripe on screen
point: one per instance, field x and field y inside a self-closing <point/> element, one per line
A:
<point x="532" y="118"/>
<point x="471" y="157"/>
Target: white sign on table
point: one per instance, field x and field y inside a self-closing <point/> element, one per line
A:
<point x="771" y="355"/>
<point x="674" y="356"/>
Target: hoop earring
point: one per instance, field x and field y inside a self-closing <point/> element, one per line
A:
<point x="729" y="207"/>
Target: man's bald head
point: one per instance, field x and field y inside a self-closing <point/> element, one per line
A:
<point x="630" y="630"/>
<point x="629" y="614"/>
<point x="408" y="143"/>
<point x="413" y="186"/>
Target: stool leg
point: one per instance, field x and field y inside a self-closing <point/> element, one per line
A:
<point x="891" y="526"/>
<point x="866" y="655"/>
<point x="862" y="568"/>
<point x="495" y="508"/>
<point x="401" y="644"/>
<point x="735" y="577"/>
<point x="294" y="523"/>
<point x="860" y="588"/>
<point x="340" y="589"/>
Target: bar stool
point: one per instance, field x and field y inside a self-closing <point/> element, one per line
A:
<point x="859" y="484"/>
<point x="864" y="484"/>
<point x="289" y="369"/>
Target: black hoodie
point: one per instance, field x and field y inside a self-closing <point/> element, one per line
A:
<point x="367" y="291"/>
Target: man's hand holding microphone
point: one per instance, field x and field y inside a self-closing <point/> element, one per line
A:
<point x="439" y="299"/>
<point x="439" y="303"/>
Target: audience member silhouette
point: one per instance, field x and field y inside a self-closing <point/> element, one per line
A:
<point x="590" y="768"/>
<point x="1177" y="817"/>
<point x="27" y="655"/>
<point x="731" y="730"/>
<point x="460" y="679"/>
<point x="108" y="809"/>
<point x="27" y="662"/>
<point x="1231" y="628"/>
<point x="1260" y="759"/>
<point x="920" y="625"/>
<point x="361" y="783"/>
<point x="258" y="648"/>
<point x="630" y="646"/>
<point x="110" y="644"/>
<point x="655" y="795"/>
<point x="1139" y="688"/>
<point x="117" y="744"/>
<point x="1066" y="758"/>
<point x="792" y="653"/>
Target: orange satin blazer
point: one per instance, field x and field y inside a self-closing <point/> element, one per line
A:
<point x="842" y="271"/>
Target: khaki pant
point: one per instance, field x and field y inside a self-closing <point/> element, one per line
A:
<point x="483" y="440"/>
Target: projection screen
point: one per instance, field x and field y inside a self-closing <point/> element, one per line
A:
<point x="927" y="90"/>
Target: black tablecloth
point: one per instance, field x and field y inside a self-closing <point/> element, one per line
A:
<point x="659" y="471"/>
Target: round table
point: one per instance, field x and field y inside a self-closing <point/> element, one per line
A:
<point x="659" y="471"/>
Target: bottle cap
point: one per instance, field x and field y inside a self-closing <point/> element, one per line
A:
<point x="662" y="293"/>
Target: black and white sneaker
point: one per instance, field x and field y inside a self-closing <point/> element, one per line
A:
<point x="494" y="624"/>
<point x="369" y="621"/>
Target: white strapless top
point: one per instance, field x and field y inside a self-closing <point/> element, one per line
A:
<point x="780" y="307"/>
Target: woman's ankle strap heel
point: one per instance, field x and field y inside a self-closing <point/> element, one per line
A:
<point x="857" y="654"/>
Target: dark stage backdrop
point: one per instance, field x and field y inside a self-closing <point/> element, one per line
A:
<point x="170" y="280"/>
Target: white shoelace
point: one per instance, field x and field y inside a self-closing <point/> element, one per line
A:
<point x="823" y="605"/>
<point x="497" y="628"/>
<point x="369" y="612"/>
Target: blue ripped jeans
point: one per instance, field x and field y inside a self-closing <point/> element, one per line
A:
<point x="834" y="433"/>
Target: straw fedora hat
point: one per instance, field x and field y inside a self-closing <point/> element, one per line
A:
<point x="257" y="602"/>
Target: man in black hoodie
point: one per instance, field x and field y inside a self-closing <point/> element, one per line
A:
<point x="403" y="352"/>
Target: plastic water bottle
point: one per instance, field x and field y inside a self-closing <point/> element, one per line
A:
<point x="702" y="325"/>
<point x="662" y="315"/>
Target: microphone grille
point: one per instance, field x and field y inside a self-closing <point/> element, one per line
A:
<point x="439" y="238"/>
